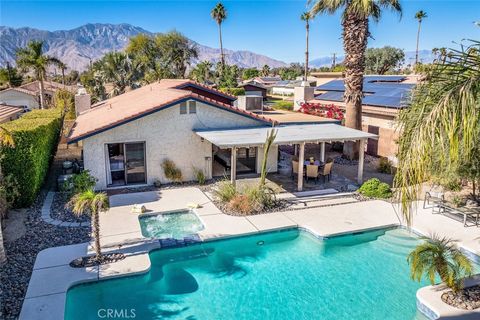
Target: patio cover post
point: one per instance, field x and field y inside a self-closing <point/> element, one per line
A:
<point x="361" y="156"/>
<point x="301" y="157"/>
<point x="233" y="166"/>
<point x="322" y="151"/>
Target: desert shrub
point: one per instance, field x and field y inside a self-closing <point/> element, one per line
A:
<point x="234" y="91"/>
<point x="374" y="188"/>
<point x="385" y="166"/>
<point x="171" y="171"/>
<point x="81" y="182"/>
<point x="242" y="204"/>
<point x="252" y="199"/>
<point x="35" y="135"/>
<point x="458" y="201"/>
<point x="199" y="175"/>
<point x="453" y="185"/>
<point x="283" y="105"/>
<point x="225" y="191"/>
<point x="65" y="100"/>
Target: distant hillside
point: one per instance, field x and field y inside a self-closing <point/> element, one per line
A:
<point x="77" y="46"/>
<point x="425" y="56"/>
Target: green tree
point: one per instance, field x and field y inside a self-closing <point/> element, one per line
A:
<point x="93" y="83"/>
<point x="10" y="77"/>
<point x="227" y="75"/>
<point x="470" y="169"/>
<point x="32" y="58"/>
<point x="202" y="72"/>
<point x="306" y="16"/>
<point x="266" y="70"/>
<point x="383" y="60"/>
<point x="439" y="256"/>
<point x="92" y="203"/>
<point x="6" y="140"/>
<point x="177" y="53"/>
<point x="441" y="126"/>
<point x="250" y="73"/>
<point x="355" y="19"/>
<point x="219" y="14"/>
<point x="420" y="15"/>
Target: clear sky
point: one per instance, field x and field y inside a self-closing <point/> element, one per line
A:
<point x="272" y="28"/>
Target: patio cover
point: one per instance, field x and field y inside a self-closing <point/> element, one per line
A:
<point x="289" y="134"/>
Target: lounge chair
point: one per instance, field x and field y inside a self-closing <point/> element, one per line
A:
<point x="431" y="196"/>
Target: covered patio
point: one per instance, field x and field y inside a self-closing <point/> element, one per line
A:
<point x="296" y="135"/>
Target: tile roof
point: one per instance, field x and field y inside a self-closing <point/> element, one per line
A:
<point x="48" y="85"/>
<point x="182" y="83"/>
<point x="138" y="103"/>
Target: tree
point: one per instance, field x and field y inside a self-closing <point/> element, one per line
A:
<point x="355" y="18"/>
<point x="441" y="125"/>
<point x="306" y="16"/>
<point x="32" y="58"/>
<point x="272" y="134"/>
<point x="62" y="67"/>
<point x="202" y="72"/>
<point x="219" y="14"/>
<point x="439" y="256"/>
<point x="266" y="70"/>
<point x="470" y="169"/>
<point x="250" y="73"/>
<point x="420" y="15"/>
<point x="10" y="77"/>
<point x="383" y="60"/>
<point x="227" y="75"/>
<point x="6" y="140"/>
<point x="177" y="53"/>
<point x="90" y="202"/>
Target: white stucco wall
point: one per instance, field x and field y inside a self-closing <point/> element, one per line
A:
<point x="167" y="134"/>
<point x="284" y="91"/>
<point x="15" y="98"/>
<point x="272" y="159"/>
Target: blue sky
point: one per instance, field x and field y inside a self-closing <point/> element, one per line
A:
<point x="272" y="28"/>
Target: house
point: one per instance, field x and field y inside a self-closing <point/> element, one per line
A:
<point x="287" y="87"/>
<point x="255" y="89"/>
<point x="28" y="95"/>
<point x="383" y="100"/>
<point x="9" y="113"/>
<point x="126" y="139"/>
<point x="266" y="81"/>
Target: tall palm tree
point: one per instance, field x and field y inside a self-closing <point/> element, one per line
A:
<point x="32" y="58"/>
<point x="6" y="139"/>
<point x="439" y="256"/>
<point x="62" y="67"/>
<point x="219" y="14"/>
<point x="306" y="16"/>
<point x="90" y="202"/>
<point x="355" y="18"/>
<point x="266" y="70"/>
<point x="420" y="15"/>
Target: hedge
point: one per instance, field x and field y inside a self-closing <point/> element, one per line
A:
<point x="234" y="91"/>
<point x="36" y="135"/>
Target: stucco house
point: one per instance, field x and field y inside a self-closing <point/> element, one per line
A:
<point x="125" y="139"/>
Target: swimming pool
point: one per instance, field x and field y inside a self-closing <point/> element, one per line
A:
<point x="176" y="224"/>
<point x="281" y="275"/>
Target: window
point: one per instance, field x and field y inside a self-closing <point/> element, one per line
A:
<point x="183" y="108"/>
<point x="192" y="107"/>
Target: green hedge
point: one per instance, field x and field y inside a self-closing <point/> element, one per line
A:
<point x="36" y="135"/>
<point x="234" y="91"/>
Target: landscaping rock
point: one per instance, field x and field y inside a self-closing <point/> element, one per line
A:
<point x="61" y="212"/>
<point x="467" y="299"/>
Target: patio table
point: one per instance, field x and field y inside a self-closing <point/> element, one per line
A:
<point x="316" y="163"/>
<point x="442" y="207"/>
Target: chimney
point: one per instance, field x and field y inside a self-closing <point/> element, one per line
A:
<point x="301" y="95"/>
<point x="82" y="101"/>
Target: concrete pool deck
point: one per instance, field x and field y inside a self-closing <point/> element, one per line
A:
<point x="120" y="232"/>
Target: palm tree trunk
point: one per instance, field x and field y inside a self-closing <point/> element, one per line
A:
<point x="355" y="35"/>
<point x="418" y="39"/>
<point x="306" y="53"/>
<point x="96" y="234"/>
<point x="63" y="78"/>
<point x="3" y="254"/>
<point x="42" y="96"/>
<point x="222" y="57"/>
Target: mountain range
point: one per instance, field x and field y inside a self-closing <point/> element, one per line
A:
<point x="77" y="47"/>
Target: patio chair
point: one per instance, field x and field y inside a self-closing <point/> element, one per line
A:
<point x="433" y="197"/>
<point x="326" y="172"/>
<point x="312" y="172"/>
<point x="295" y="169"/>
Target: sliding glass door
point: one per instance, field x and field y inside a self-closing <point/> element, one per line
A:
<point x="135" y="162"/>
<point x="126" y="163"/>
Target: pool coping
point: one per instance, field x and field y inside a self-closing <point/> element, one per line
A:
<point x="51" y="302"/>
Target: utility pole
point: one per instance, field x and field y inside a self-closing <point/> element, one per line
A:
<point x="334" y="61"/>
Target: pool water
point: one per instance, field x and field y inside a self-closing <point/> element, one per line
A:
<point x="281" y="275"/>
<point x="176" y="225"/>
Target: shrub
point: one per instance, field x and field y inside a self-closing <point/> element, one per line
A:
<point x="199" y="175"/>
<point x="234" y="91"/>
<point x="82" y="182"/>
<point x="283" y="105"/>
<point x="385" y="166"/>
<point x="241" y="203"/>
<point x="261" y="197"/>
<point x="8" y="194"/>
<point x="171" y="171"/>
<point x="36" y="136"/>
<point x="374" y="188"/>
<point x="65" y="100"/>
<point x="225" y="191"/>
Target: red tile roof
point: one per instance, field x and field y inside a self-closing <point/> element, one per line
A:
<point x="138" y="103"/>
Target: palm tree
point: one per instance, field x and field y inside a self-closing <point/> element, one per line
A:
<point x="440" y="127"/>
<point x="32" y="58"/>
<point x="355" y="18"/>
<point x="122" y="72"/>
<point x="266" y="70"/>
<point x="62" y="67"/>
<point x="306" y="16"/>
<point x="90" y="202"/>
<point x="420" y="15"/>
<point x="439" y="256"/>
<point x="6" y="139"/>
<point x="202" y="72"/>
<point x="219" y="14"/>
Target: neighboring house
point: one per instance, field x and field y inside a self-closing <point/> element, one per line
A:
<point x="9" y="113"/>
<point x="266" y="81"/>
<point x="287" y="87"/>
<point x="28" y="95"/>
<point x="255" y="89"/>
<point x="384" y="98"/>
<point x="126" y="139"/>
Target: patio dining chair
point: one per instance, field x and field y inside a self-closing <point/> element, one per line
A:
<point x="312" y="172"/>
<point x="295" y="169"/>
<point x="433" y="197"/>
<point x="327" y="171"/>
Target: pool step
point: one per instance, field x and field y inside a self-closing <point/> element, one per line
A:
<point x="396" y="243"/>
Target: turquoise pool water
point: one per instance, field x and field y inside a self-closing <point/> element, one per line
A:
<point x="281" y="275"/>
<point x="176" y="225"/>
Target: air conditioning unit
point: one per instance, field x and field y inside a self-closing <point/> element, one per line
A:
<point x="250" y="103"/>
